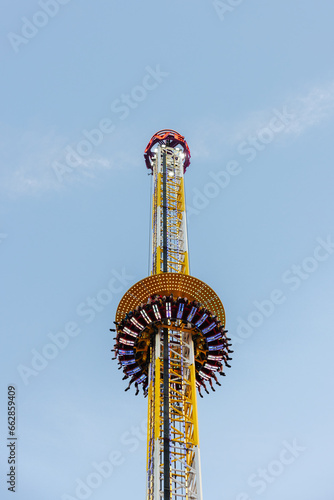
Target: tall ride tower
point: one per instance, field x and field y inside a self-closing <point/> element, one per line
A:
<point x="171" y="335"/>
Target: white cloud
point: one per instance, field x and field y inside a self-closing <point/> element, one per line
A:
<point x="26" y="162"/>
<point x="27" y="156"/>
<point x="312" y="108"/>
<point x="213" y="137"/>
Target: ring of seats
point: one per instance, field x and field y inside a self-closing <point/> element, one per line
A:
<point x="137" y="330"/>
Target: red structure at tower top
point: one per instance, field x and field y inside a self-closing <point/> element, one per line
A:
<point x="173" y="139"/>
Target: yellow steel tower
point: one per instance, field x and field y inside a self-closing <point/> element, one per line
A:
<point x="171" y="335"/>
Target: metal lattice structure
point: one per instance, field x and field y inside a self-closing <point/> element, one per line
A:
<point x="171" y="345"/>
<point x="184" y="465"/>
<point x="167" y="163"/>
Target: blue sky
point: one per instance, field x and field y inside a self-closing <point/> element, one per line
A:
<point x="251" y="87"/>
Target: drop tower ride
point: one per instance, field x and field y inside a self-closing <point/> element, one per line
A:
<point x="171" y="336"/>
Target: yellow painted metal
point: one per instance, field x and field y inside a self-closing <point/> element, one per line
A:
<point x="184" y="440"/>
<point x="194" y="403"/>
<point x="159" y="189"/>
<point x="186" y="263"/>
<point x="182" y="198"/>
<point x="158" y="400"/>
<point x="149" y="422"/>
<point x="158" y="260"/>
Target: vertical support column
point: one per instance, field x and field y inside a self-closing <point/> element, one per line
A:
<point x="150" y="433"/>
<point x="197" y="461"/>
<point x="164" y="210"/>
<point x="166" y="340"/>
<point x="175" y="454"/>
<point x="166" y="417"/>
<point x="156" y="423"/>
